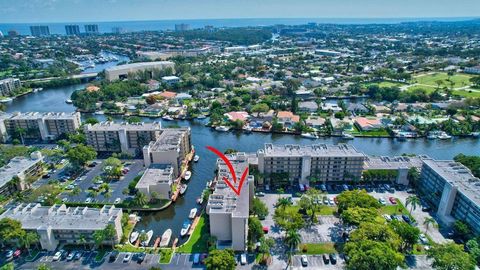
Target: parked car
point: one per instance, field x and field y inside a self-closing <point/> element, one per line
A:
<point x="196" y="258"/>
<point x="323" y="188"/>
<point x="406" y="218"/>
<point x="304" y="260"/>
<point x="127" y="257"/>
<point x="117" y="201"/>
<point x="78" y="255"/>
<point x="203" y="257"/>
<point x="140" y="257"/>
<point x="113" y="256"/>
<point x="387" y="217"/>
<point x="423" y="239"/>
<point x="325" y="258"/>
<point x="325" y="200"/>
<point x="88" y="200"/>
<point x="382" y="201"/>
<point x="335" y="200"/>
<point x="243" y="259"/>
<point x="9" y="255"/>
<point x="392" y="200"/>
<point x="71" y="255"/>
<point x="260" y="194"/>
<point x="17" y="253"/>
<point x="331" y="202"/>
<point x="57" y="256"/>
<point x="46" y="176"/>
<point x="333" y="258"/>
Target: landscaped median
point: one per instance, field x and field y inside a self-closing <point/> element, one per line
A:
<point x="198" y="240"/>
<point x="318" y="248"/>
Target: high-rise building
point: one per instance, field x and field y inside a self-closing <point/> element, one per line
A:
<point x="91" y="29"/>
<point x="119" y="30"/>
<point x="123" y="71"/>
<point x="12" y="33"/>
<point x="182" y="27"/>
<point x="72" y="30"/>
<point x="39" y="30"/>
<point x="7" y="86"/>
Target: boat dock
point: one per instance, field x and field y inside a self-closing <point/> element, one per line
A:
<point x="175" y="242"/>
<point x="157" y="242"/>
<point x="178" y="181"/>
<point x="194" y="224"/>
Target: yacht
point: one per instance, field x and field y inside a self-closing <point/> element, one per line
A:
<point x="68" y="101"/>
<point x="196" y="158"/>
<point x="183" y="189"/>
<point x="167" y="118"/>
<point x="201" y="116"/>
<point x="444" y="136"/>
<point x="166" y="238"/>
<point x="133" y="237"/>
<point x="347" y="136"/>
<point x="309" y="135"/>
<point x="188" y="175"/>
<point x="185" y="228"/>
<point x="5" y="100"/>
<point x="248" y="129"/>
<point x="193" y="213"/>
<point x="149" y="237"/>
<point x="222" y="128"/>
<point x="100" y="112"/>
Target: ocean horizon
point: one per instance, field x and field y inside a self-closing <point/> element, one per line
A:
<point x="160" y="25"/>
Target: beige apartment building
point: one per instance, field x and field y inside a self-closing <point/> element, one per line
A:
<point x="158" y="178"/>
<point x="7" y="86"/>
<point x="229" y="212"/>
<point x="123" y="71"/>
<point x="171" y="147"/>
<point x="302" y="164"/>
<point x="41" y="126"/>
<point x="122" y="137"/>
<point x="21" y="168"/>
<point x="60" y="224"/>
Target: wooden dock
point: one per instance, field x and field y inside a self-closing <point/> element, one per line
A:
<point x="178" y="181"/>
<point x="194" y="224"/>
<point x="137" y="244"/>
<point x="157" y="242"/>
<point x="175" y="242"/>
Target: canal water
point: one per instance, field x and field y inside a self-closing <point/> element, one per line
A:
<point x="203" y="171"/>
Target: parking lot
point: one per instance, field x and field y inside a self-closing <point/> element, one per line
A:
<point x="85" y="182"/>
<point x="316" y="262"/>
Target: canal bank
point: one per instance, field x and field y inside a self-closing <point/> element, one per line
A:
<point x="203" y="171"/>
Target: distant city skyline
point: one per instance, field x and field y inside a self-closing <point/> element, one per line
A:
<point x="57" y="11"/>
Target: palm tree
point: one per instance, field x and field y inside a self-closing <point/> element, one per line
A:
<point x="140" y="199"/>
<point x="110" y="233"/>
<point x="284" y="202"/>
<point x="21" y="132"/>
<point x="83" y="241"/>
<point x="292" y="239"/>
<point x="413" y="201"/>
<point x="427" y="222"/>
<point x="142" y="237"/>
<point x="27" y="239"/>
<point x="98" y="237"/>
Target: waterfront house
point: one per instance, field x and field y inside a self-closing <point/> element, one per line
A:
<point x="287" y="118"/>
<point x="370" y="123"/>
<point x="308" y="106"/>
<point x="315" y="122"/>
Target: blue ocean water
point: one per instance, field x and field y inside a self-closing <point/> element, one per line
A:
<point x="134" y="26"/>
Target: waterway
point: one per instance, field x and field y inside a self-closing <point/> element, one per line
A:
<point x="203" y="171"/>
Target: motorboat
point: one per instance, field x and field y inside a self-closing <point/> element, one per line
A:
<point x="196" y="158"/>
<point x="133" y="237"/>
<point x="100" y="112"/>
<point x="183" y="189"/>
<point x="166" y="238"/>
<point x="201" y="116"/>
<point x="5" y="100"/>
<point x="193" y="213"/>
<point x="188" y="175"/>
<point x="248" y="129"/>
<point x="185" y="228"/>
<point x="444" y="136"/>
<point x="309" y="136"/>
<point x="149" y="237"/>
<point x="347" y="136"/>
<point x="222" y="128"/>
<point x="200" y="200"/>
<point x="209" y="184"/>
<point x="68" y="101"/>
<point x="167" y="118"/>
<point x="475" y="134"/>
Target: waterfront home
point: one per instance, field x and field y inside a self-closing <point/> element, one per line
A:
<point x="331" y="107"/>
<point x="315" y="122"/>
<point x="170" y="80"/>
<point x="357" y="108"/>
<point x="182" y="96"/>
<point x="168" y="94"/>
<point x="308" y="106"/>
<point x="341" y="125"/>
<point x="304" y="94"/>
<point x="380" y="108"/>
<point x="287" y="118"/>
<point x="92" y="88"/>
<point x="234" y="116"/>
<point x="370" y="123"/>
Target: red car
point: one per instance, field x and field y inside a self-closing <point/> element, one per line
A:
<point x="392" y="200"/>
<point x="335" y="200"/>
<point x="17" y="253"/>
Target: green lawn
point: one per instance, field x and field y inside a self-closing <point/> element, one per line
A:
<point x="459" y="80"/>
<point x="385" y="84"/>
<point x="373" y="133"/>
<point x="198" y="241"/>
<point x="165" y="255"/>
<point x="327" y="210"/>
<point x="467" y="93"/>
<point x="428" y="89"/>
<point x="317" y="248"/>
<point x="397" y="209"/>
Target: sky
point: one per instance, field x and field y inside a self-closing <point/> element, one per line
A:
<point x="43" y="11"/>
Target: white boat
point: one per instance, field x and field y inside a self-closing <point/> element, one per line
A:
<point x="309" y="136"/>
<point x="200" y="200"/>
<point x="248" y="129"/>
<point x="188" y="175"/>
<point x="444" y="136"/>
<point x="347" y="136"/>
<point x="167" y="118"/>
<point x="193" y="213"/>
<point x="100" y="112"/>
<point x="68" y="101"/>
<point x="183" y="188"/>
<point x="222" y="128"/>
<point x="5" y="100"/>
<point x="149" y="237"/>
<point x="209" y="183"/>
<point x="166" y="238"/>
<point x="133" y="237"/>
<point x="185" y="228"/>
<point x="432" y="136"/>
<point x="475" y="134"/>
<point x="201" y="116"/>
<point x="196" y="158"/>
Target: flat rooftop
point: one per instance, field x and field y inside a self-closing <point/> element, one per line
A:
<point x="16" y="166"/>
<point x="60" y="217"/>
<point x="169" y="140"/>
<point x="44" y="115"/>
<point x="141" y="65"/>
<point x="458" y="176"/>
<point x="155" y="174"/>
<point x="325" y="150"/>
<point x="112" y="126"/>
<point x="223" y="199"/>
<point x="392" y="163"/>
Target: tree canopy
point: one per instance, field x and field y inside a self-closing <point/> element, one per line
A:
<point x="220" y="260"/>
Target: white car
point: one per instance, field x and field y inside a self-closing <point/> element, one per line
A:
<point x="304" y="260"/>
<point x="387" y="217"/>
<point x="127" y="257"/>
<point x="243" y="259"/>
<point x="423" y="239"/>
<point x="117" y="201"/>
<point x="88" y="200"/>
<point x="331" y="202"/>
<point x="57" y="256"/>
<point x="64" y="200"/>
<point x="382" y="201"/>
